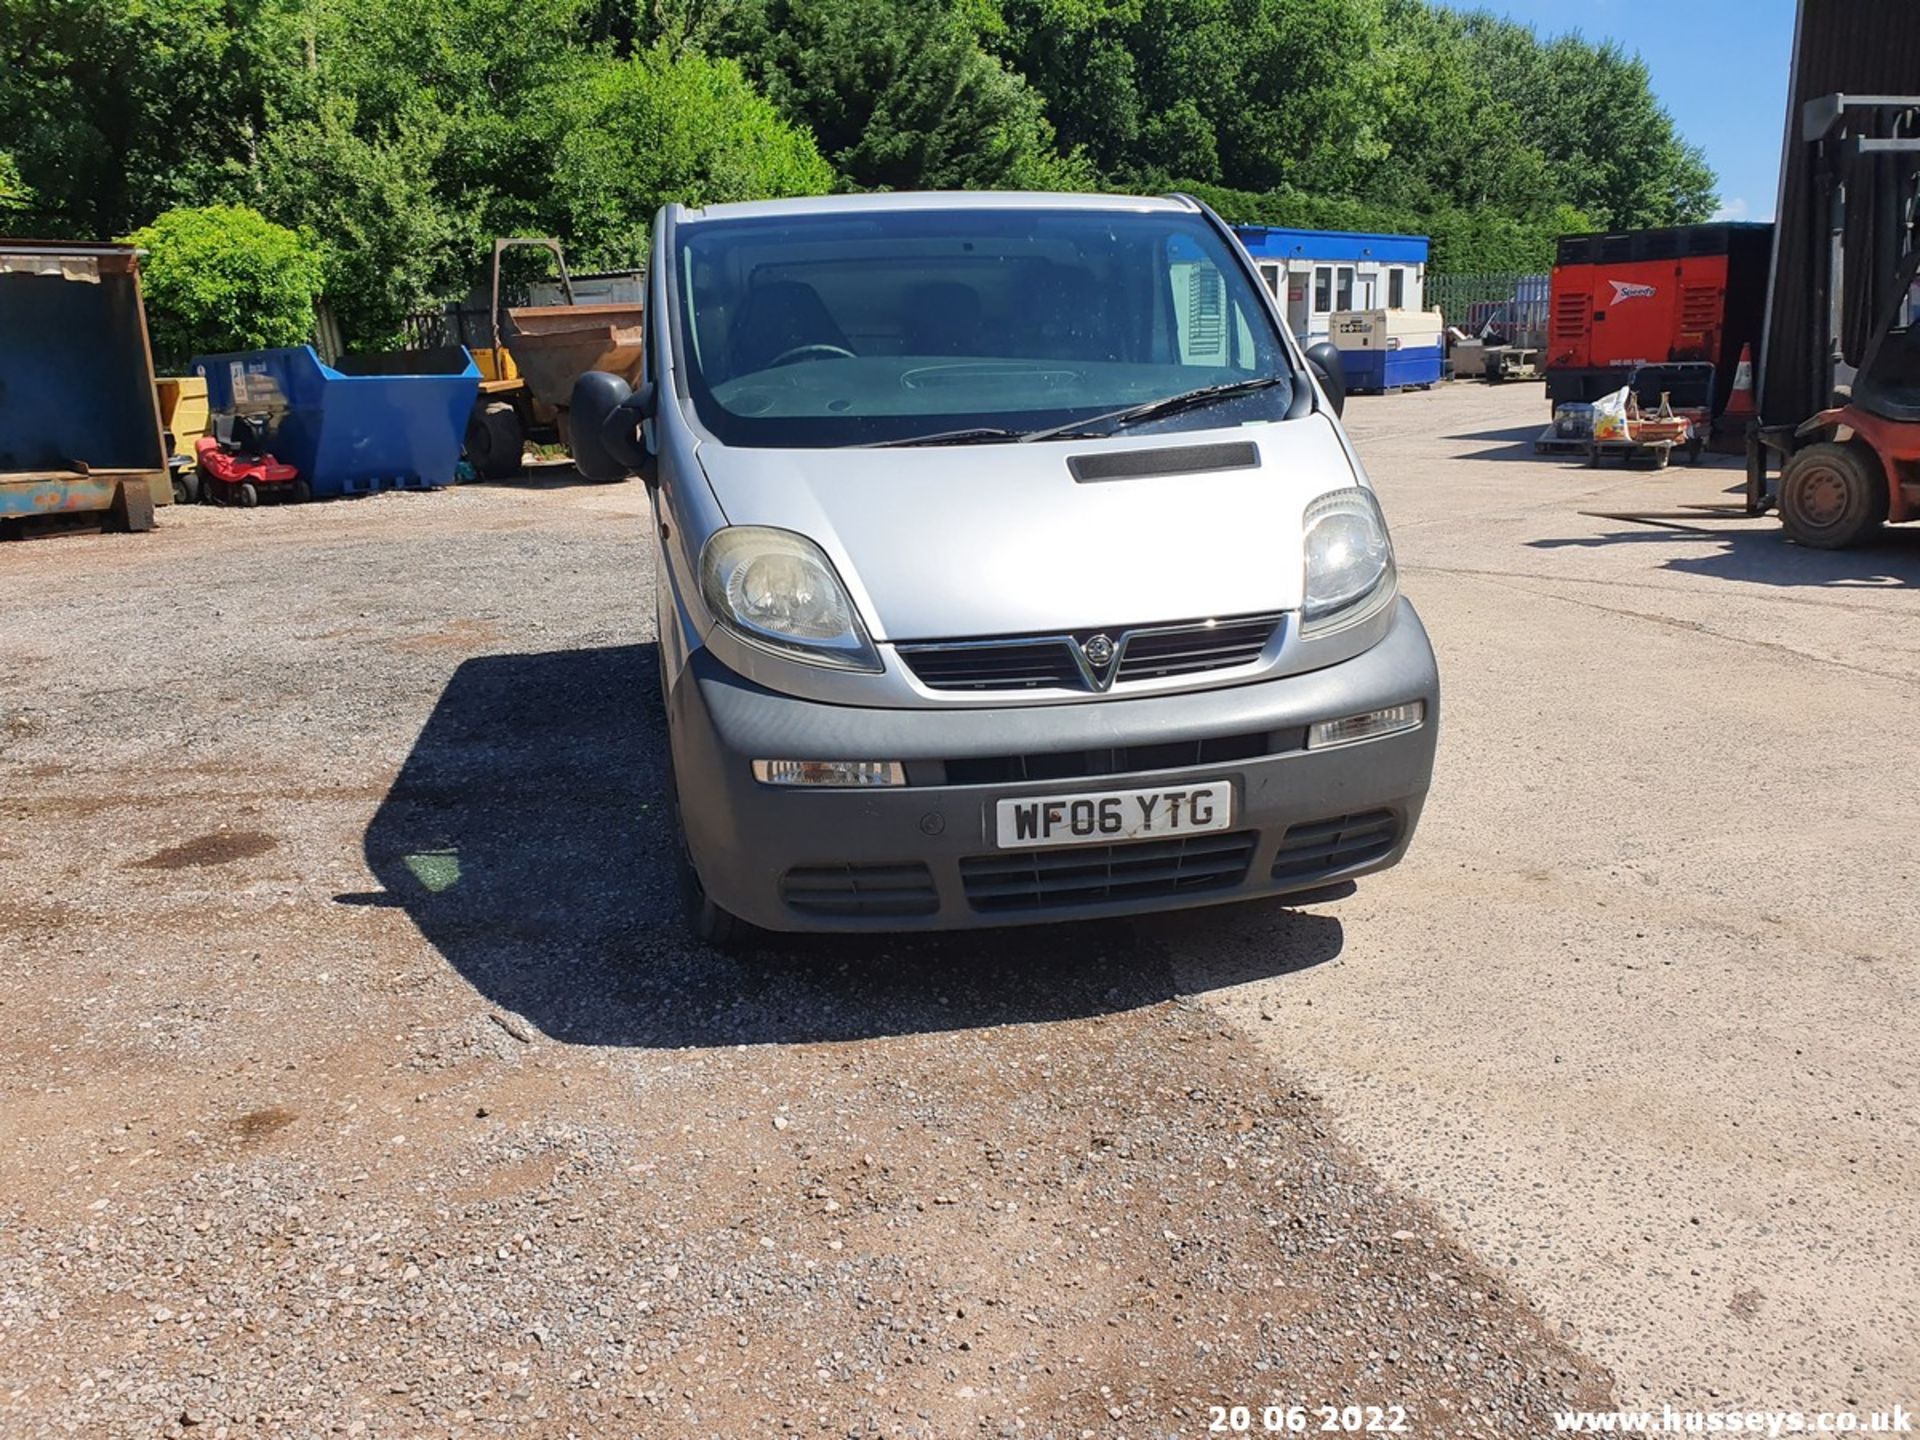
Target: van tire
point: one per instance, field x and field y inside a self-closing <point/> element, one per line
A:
<point x="1832" y="495"/>
<point x="710" y="924"/>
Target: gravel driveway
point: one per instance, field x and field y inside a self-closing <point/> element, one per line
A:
<point x="358" y="1079"/>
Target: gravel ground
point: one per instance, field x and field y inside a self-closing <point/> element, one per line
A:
<point x="359" y="1081"/>
<point x="1638" y="1015"/>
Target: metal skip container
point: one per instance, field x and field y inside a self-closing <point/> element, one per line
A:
<point x="373" y="422"/>
<point x="79" y="425"/>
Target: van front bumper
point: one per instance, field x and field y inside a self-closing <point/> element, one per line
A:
<point x="924" y="856"/>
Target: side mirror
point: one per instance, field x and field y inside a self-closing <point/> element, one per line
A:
<point x="603" y="425"/>
<point x="1325" y="361"/>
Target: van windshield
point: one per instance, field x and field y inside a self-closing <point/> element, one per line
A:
<point x="950" y="325"/>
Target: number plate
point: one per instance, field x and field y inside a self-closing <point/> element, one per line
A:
<point x="1107" y="817"/>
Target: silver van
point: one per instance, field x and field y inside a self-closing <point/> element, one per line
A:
<point x="1013" y="566"/>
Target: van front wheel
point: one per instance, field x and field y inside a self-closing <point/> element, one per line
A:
<point x="706" y="922"/>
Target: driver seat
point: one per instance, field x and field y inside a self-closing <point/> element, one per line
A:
<point x="774" y="318"/>
<point x="1889" y="384"/>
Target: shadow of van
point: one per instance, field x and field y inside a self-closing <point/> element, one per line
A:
<point x="528" y="838"/>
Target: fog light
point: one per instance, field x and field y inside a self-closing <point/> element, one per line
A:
<point x="850" y="774"/>
<point x="1370" y="726"/>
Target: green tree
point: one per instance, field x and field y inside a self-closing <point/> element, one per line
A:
<point x="1300" y="107"/>
<point x="14" y="194"/>
<point x="1448" y="136"/>
<point x="1401" y="103"/>
<point x="1080" y="56"/>
<point x="1256" y="93"/>
<point x="224" y="277"/>
<point x="1614" y="151"/>
<point x="900" y="95"/>
<point x="115" y="110"/>
<point x="634" y="134"/>
<point x="391" y="237"/>
<point x="411" y="132"/>
<point x="443" y="110"/>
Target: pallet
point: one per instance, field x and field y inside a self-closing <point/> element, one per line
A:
<point x="1658" y="451"/>
<point x="379" y="485"/>
<point x="1551" y="442"/>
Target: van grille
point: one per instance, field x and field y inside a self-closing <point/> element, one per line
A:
<point x="1121" y="759"/>
<point x="1151" y="654"/>
<point x="1326" y="846"/>
<point x="845" y="890"/>
<point x="1038" y="664"/>
<point x="1059" y="662"/>
<point x="1087" y="874"/>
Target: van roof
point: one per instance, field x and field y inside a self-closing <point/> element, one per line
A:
<point x="933" y="200"/>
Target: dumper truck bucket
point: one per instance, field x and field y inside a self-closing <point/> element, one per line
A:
<point x="554" y="345"/>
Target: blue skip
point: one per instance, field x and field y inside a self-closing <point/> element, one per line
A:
<point x="375" y="422"/>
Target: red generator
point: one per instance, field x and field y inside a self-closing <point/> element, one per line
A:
<point x="1654" y="297"/>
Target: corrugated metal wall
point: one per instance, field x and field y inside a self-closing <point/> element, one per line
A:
<point x="1860" y="47"/>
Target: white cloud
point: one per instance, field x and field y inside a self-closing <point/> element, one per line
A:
<point x="1734" y="209"/>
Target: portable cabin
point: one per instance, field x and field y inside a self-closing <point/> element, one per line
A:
<point x="1315" y="274"/>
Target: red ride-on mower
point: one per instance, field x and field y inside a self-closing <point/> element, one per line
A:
<point x="232" y="474"/>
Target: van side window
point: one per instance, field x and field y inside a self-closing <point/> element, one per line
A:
<point x="1210" y="329"/>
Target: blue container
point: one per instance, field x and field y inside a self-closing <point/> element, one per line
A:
<point x="1391" y="369"/>
<point x="378" y="422"/>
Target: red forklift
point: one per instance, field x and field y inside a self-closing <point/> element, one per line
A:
<point x="1854" y="463"/>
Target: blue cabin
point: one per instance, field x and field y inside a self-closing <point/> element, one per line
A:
<point x="1314" y="273"/>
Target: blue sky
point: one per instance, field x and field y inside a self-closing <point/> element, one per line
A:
<point x="1719" y="66"/>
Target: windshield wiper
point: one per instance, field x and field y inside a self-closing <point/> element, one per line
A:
<point x="977" y="435"/>
<point x="1095" y="427"/>
<point x="1115" y="420"/>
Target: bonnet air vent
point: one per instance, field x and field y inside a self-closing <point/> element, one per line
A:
<point x="1173" y="460"/>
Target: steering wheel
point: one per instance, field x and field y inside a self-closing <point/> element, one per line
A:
<point x="799" y="352"/>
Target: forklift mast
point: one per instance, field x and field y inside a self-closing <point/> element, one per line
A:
<point x="1865" y="169"/>
<point x="1853" y="463"/>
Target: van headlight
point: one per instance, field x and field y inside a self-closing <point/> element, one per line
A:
<point x="1349" y="560"/>
<point x="778" y="590"/>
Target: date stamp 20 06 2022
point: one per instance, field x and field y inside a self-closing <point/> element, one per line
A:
<point x="1307" y="1419"/>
